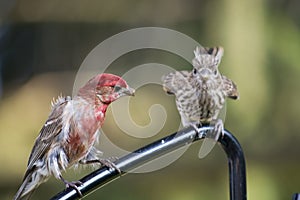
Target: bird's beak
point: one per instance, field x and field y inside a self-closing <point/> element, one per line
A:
<point x="205" y="74"/>
<point x="128" y="91"/>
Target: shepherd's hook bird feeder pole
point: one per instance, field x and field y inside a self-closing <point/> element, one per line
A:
<point x="104" y="175"/>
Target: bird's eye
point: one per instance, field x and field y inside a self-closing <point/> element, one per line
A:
<point x="215" y="72"/>
<point x="194" y="71"/>
<point x="117" y="88"/>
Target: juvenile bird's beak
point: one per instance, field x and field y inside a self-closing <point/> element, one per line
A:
<point x="205" y="74"/>
<point x="128" y="91"/>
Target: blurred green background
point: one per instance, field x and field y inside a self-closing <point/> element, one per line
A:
<point x="42" y="44"/>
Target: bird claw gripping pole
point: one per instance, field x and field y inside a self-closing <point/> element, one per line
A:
<point x="104" y="175"/>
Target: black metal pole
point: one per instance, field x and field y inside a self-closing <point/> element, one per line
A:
<point x="237" y="166"/>
<point x="161" y="147"/>
<point x="296" y="196"/>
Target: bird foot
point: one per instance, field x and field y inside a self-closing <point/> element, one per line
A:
<point x="104" y="162"/>
<point x="211" y="138"/>
<point x="108" y="163"/>
<point x="218" y="130"/>
<point x="72" y="184"/>
<point x="196" y="127"/>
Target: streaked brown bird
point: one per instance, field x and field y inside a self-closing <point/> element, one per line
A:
<point x="200" y="94"/>
<point x="70" y="132"/>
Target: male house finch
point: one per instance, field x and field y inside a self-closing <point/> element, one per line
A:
<point x="68" y="136"/>
<point x="200" y="94"/>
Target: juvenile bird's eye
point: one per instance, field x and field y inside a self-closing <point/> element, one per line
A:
<point x="194" y="71"/>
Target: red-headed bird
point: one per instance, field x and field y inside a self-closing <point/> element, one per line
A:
<point x="69" y="134"/>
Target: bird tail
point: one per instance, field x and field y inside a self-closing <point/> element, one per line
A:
<point x="31" y="181"/>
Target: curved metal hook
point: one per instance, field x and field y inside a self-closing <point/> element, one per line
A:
<point x="102" y="176"/>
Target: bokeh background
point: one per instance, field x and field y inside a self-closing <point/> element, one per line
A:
<point x="43" y="43"/>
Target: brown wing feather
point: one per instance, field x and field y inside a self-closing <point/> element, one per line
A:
<point x="230" y="88"/>
<point x="174" y="81"/>
<point x="51" y="129"/>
